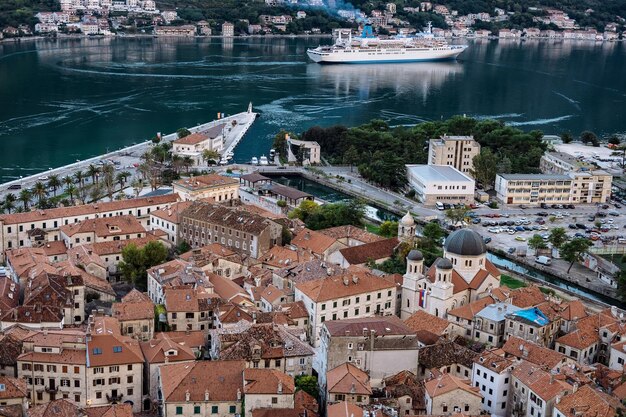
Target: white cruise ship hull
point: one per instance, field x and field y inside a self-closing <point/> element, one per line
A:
<point x="383" y="55"/>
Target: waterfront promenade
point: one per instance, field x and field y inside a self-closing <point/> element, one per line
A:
<point x="127" y="159"/>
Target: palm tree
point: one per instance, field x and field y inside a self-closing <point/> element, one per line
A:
<point x="54" y="182"/>
<point x="67" y="180"/>
<point x="40" y="190"/>
<point x="9" y="202"/>
<point x="25" y="197"/>
<point x="210" y="157"/>
<point x="93" y="172"/>
<point x="108" y="172"/>
<point x="187" y="163"/>
<point x="137" y="186"/>
<point x="71" y="190"/>
<point x="80" y="178"/>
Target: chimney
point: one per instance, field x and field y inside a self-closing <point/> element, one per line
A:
<point x="575" y="387"/>
<point x="355" y="279"/>
<point x="346" y="282"/>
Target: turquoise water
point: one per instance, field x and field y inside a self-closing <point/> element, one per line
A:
<point x="69" y="99"/>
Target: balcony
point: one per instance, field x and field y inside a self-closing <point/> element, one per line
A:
<point x="114" y="399"/>
<point x="52" y="390"/>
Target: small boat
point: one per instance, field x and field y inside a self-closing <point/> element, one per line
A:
<point x="223" y="161"/>
<point x="254" y="161"/>
<point x="263" y="160"/>
<point x="272" y="153"/>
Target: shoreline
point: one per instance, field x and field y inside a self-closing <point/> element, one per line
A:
<point x="285" y="36"/>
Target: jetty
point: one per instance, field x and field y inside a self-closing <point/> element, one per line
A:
<point x="128" y="158"/>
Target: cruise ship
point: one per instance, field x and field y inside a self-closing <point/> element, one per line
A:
<point x="368" y="49"/>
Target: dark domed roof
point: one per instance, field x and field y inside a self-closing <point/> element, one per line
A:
<point x="465" y="242"/>
<point x="415" y="255"/>
<point x="444" y="263"/>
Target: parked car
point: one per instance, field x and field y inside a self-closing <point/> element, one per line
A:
<point x="511" y="250"/>
<point x="15" y="187"/>
<point x="544" y="260"/>
<point x="487" y="240"/>
<point x="520" y="239"/>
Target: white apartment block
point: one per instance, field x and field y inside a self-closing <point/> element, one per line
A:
<point x="533" y="188"/>
<point x="492" y="375"/>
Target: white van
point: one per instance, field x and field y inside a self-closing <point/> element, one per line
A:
<point x="544" y="260"/>
<point x="439" y="205"/>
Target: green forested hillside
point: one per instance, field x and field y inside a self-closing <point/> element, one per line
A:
<point x="16" y="12"/>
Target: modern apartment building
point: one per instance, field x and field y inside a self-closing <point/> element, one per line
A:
<point x="534" y="188"/>
<point x="455" y="151"/>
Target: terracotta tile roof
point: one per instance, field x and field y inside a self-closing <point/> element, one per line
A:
<point x="459" y="282"/>
<point x="84" y="255"/>
<point x="274" y="342"/>
<point x="313" y="241"/>
<point x="113" y="410"/>
<point x="54" y="248"/>
<point x="221" y="379"/>
<point x="172" y="213"/>
<point x="620" y="391"/>
<point x="494" y="360"/>
<point x="346" y="379"/>
<point x="188" y="299"/>
<point x="116" y="246"/>
<point x="295" y="310"/>
<point x="106" y="226"/>
<point x="267" y="381"/>
<point x="155" y="350"/>
<point x="306" y="271"/>
<point x="10" y="349"/>
<point x="198" y="137"/>
<point x="194" y="339"/>
<point x="445" y="353"/>
<point x="134" y="306"/>
<point x="226" y="288"/>
<point x="23" y="260"/>
<point x="448" y="383"/>
<point x="34" y="314"/>
<point x="210" y="253"/>
<point x="282" y="256"/>
<point x="351" y="282"/>
<point x="579" y="339"/>
<point x="351" y="232"/>
<point x="574" y="310"/>
<point x="344" y="409"/>
<point x="381" y="325"/>
<point x="202" y="182"/>
<point x="469" y="311"/>
<point x="108" y="347"/>
<point x="9" y="293"/>
<point x="66" y="356"/>
<point x="527" y="296"/>
<point x="14" y="410"/>
<point x="272" y="294"/>
<point x="82" y="210"/>
<point x="539" y="381"/>
<point x="544" y="357"/>
<point x="306" y="403"/>
<point x="277" y="412"/>
<point x="13" y="388"/>
<point x="57" y="408"/>
<point x="375" y="251"/>
<point x="230" y="313"/>
<point x="218" y="214"/>
<point x="588" y="402"/>
<point x="421" y="320"/>
<point x="91" y="281"/>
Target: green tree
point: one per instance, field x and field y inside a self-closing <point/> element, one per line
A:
<point x="504" y="165"/>
<point x="456" y="215"/>
<point x="182" y="247"/>
<point x="280" y="143"/>
<point x="305" y="210"/>
<point x="388" y="228"/>
<point x="40" y="191"/>
<point x="308" y="384"/>
<point x="182" y="132"/>
<point x="614" y="140"/>
<point x="557" y="237"/>
<point x="589" y="137"/>
<point x="136" y="261"/>
<point x="567" y="137"/>
<point x="93" y="171"/>
<point x="210" y="157"/>
<point x="536" y="242"/>
<point x="54" y="182"/>
<point x="351" y="157"/>
<point x="433" y="232"/>
<point x="9" y="202"/>
<point x="80" y="178"/>
<point x="485" y="168"/>
<point x="25" y="197"/>
<point x="573" y="250"/>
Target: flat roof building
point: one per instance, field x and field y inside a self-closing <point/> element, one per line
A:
<point x="434" y="183"/>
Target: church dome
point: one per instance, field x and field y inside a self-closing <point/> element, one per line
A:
<point x="465" y="242"/>
<point x="443" y="263"/>
<point x="407" y="220"/>
<point x="415" y="255"/>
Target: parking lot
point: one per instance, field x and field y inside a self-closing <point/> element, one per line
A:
<point x="510" y="228"/>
